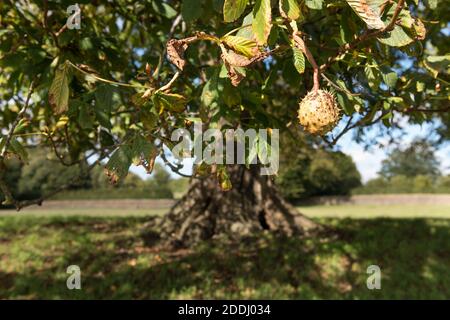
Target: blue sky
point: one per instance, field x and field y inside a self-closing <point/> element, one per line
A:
<point x="367" y="161"/>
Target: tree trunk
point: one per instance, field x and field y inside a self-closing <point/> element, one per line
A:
<point x="252" y="205"/>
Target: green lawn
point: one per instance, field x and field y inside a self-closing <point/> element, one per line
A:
<point x="36" y="247"/>
<point x="380" y="211"/>
<point x="323" y="211"/>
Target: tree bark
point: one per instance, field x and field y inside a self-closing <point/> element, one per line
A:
<point x="251" y="206"/>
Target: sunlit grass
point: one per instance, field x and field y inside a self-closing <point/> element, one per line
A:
<point x="413" y="254"/>
<point x="323" y="211"/>
<point x="377" y="211"/>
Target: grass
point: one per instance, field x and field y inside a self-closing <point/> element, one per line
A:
<point x="413" y="254"/>
<point x="377" y="211"/>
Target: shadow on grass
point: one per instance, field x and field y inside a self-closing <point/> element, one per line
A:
<point x="414" y="257"/>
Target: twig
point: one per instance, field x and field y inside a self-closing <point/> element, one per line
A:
<point x="64" y="27"/>
<point x="26" y="203"/>
<point x="349" y="126"/>
<point x="331" y="83"/>
<point x="17" y="120"/>
<point x="46" y="27"/>
<point x="447" y="109"/>
<point x="106" y="80"/>
<point x="300" y="44"/>
<point x="59" y="155"/>
<point x="172" y="166"/>
<point x="170" y="83"/>
<point x="365" y="36"/>
<point x="175" y="24"/>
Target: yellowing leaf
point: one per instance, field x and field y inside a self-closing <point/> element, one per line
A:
<point x="437" y="64"/>
<point x="62" y="121"/>
<point x="290" y="9"/>
<point x="262" y="20"/>
<point x="241" y="45"/>
<point x="233" y="9"/>
<point x="171" y="101"/>
<point x="58" y="95"/>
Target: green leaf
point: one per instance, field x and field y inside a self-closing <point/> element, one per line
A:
<point x="104" y="101"/>
<point x="23" y="123"/>
<point x="210" y="92"/>
<point x="264" y="150"/>
<point x="299" y="60"/>
<point x="148" y="119"/>
<point x="420" y="86"/>
<point x="437" y="64"/>
<point x="290" y="9"/>
<point x="253" y="152"/>
<point x="246" y="31"/>
<point x="389" y="76"/>
<point x="372" y="75"/>
<point x="230" y="95"/>
<point x="262" y="20"/>
<point x="191" y="10"/>
<point x="432" y="4"/>
<point x="58" y="95"/>
<point x="314" y="4"/>
<point x="141" y="149"/>
<point x="119" y="163"/>
<point x="344" y="102"/>
<point x="367" y="10"/>
<point x="224" y="178"/>
<point x="85" y="116"/>
<point x="396" y="38"/>
<point x="233" y="9"/>
<point x="17" y="148"/>
<point x="164" y="9"/>
<point x="171" y="101"/>
<point x="241" y="45"/>
<point x="103" y="97"/>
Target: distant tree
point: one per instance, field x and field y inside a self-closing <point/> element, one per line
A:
<point x="400" y="184"/>
<point x="44" y="173"/>
<point x="443" y="184"/>
<point x="417" y="159"/>
<point x="12" y="178"/>
<point x="423" y="184"/>
<point x="376" y="185"/>
<point x="320" y="172"/>
<point x="179" y="186"/>
<point x="161" y="176"/>
<point x="100" y="180"/>
<point x="159" y="184"/>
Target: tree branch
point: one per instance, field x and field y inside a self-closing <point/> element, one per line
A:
<point x="26" y="203"/>
<point x="174" y="168"/>
<point x="364" y="37"/>
<point x="300" y="44"/>
<point x="16" y="121"/>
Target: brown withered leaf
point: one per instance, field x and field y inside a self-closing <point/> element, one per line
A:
<point x="365" y="11"/>
<point x="175" y="52"/>
<point x="235" y="76"/>
<point x="239" y="60"/>
<point x="236" y="59"/>
<point x="420" y="30"/>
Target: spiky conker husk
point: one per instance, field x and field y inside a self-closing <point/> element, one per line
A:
<point x="318" y="112"/>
